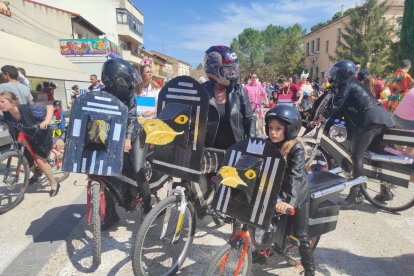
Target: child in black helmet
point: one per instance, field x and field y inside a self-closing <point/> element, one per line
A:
<point x="283" y="124"/>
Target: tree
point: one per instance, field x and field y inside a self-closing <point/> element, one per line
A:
<point x="367" y="37"/>
<point x="249" y="47"/>
<point x="270" y="52"/>
<point x="200" y="66"/>
<point x="407" y="32"/>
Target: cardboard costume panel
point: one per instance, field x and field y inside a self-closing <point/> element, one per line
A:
<point x="183" y="106"/>
<point x="251" y="179"/>
<point x="96" y="135"/>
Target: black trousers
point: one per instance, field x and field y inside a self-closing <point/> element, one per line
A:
<point x="362" y="140"/>
<point x="299" y="223"/>
<point x="137" y="156"/>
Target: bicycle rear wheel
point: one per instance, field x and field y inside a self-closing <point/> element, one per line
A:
<point x="225" y="260"/>
<point x="401" y="198"/>
<point x="164" y="238"/>
<point x="14" y="180"/>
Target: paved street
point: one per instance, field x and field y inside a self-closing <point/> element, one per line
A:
<point x="45" y="236"/>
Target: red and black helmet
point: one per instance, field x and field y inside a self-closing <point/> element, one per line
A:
<point x="221" y="65"/>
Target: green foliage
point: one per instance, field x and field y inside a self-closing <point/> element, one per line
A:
<point x="367" y="37"/>
<point x="200" y="66"/>
<point x="318" y="26"/>
<point x="336" y="16"/>
<point x="407" y="32"/>
<point x="271" y="52"/>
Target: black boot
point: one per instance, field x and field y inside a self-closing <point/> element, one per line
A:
<point x="385" y="194"/>
<point x="354" y="197"/>
<point x="306" y="256"/>
<point x="144" y="190"/>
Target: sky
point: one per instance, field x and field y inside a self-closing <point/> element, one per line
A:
<point x="184" y="29"/>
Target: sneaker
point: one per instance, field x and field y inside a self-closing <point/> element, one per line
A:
<point x="54" y="192"/>
<point x="384" y="195"/>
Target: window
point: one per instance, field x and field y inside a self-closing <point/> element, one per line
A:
<point x="316" y="72"/>
<point x="313" y="46"/>
<point x="307" y="49"/>
<point x="327" y="46"/>
<point x="318" y="43"/>
<point x="338" y="39"/>
<point x="121" y="16"/>
<point x="322" y="75"/>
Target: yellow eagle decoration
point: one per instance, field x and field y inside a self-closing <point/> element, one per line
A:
<point x="158" y="132"/>
<point x="230" y="177"/>
<point x="98" y="131"/>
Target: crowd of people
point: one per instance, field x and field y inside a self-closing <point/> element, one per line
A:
<point x="241" y="113"/>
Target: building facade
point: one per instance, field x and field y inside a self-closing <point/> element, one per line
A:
<point x="32" y="32"/>
<point x="174" y="67"/>
<point x="321" y="44"/>
<point x="120" y="20"/>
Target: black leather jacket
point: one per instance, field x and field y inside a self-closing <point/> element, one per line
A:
<point x="355" y="99"/>
<point x="241" y="117"/>
<point x="295" y="188"/>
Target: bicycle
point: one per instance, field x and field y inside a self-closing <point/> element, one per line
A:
<point x="235" y="257"/>
<point x="96" y="148"/>
<point x="166" y="234"/>
<point x="15" y="171"/>
<point x="164" y="238"/>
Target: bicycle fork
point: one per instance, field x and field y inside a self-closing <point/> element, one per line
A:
<point x="181" y="208"/>
<point x="242" y="238"/>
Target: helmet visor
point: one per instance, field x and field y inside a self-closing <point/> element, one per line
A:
<point x="331" y="73"/>
<point x="231" y="71"/>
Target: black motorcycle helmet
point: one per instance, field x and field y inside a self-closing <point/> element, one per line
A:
<point x="341" y="71"/>
<point x="287" y="114"/>
<point x="120" y="78"/>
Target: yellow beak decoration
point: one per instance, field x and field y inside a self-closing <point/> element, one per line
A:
<point x="231" y="177"/>
<point x="158" y="132"/>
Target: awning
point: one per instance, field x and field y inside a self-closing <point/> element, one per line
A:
<point x="38" y="60"/>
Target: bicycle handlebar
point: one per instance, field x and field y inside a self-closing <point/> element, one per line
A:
<point x="290" y="212"/>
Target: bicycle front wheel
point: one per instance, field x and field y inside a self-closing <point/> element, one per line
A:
<point x="227" y="259"/>
<point x="164" y="238"/>
<point x="14" y="180"/>
<point x="96" y="221"/>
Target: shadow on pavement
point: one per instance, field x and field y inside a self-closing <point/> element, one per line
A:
<point x="59" y="223"/>
<point x="79" y="244"/>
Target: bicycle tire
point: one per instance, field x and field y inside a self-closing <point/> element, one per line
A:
<point x="96" y="222"/>
<point x="383" y="205"/>
<point x="6" y="187"/>
<point x="223" y="254"/>
<point x="143" y="235"/>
